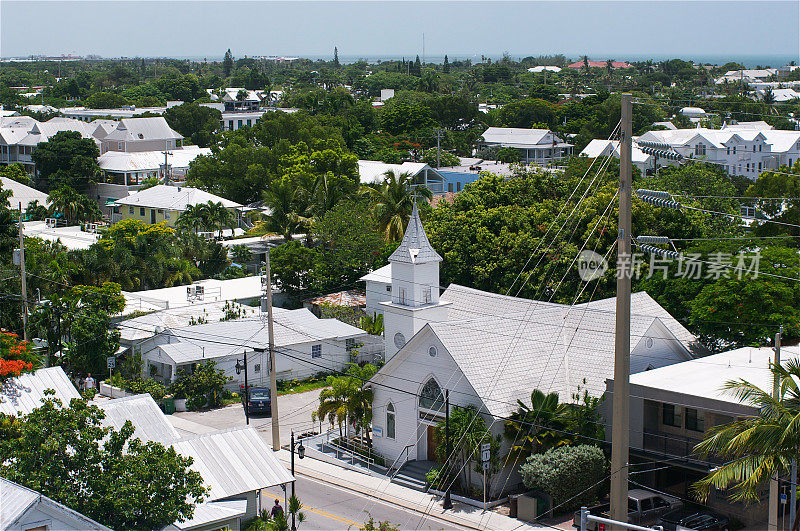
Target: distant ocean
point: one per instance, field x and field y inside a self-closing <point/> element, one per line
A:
<point x="749" y="61"/>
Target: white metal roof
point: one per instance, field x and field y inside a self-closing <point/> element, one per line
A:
<point x="71" y="237"/>
<point x="234" y="461"/>
<point x="383" y="274"/>
<point x="209" y="513"/>
<point x="705" y="377"/>
<point x="371" y="171"/>
<point x="138" y="129"/>
<point x="517" y="137"/>
<point x="21" y="193"/>
<point x="145" y="415"/>
<point x="415" y="247"/>
<point x="602" y="148"/>
<point x="224" y="338"/>
<point x="542" y="68"/>
<point x="173" y="198"/>
<point x="119" y="161"/>
<point x="148" y="325"/>
<point x="16" y="501"/>
<point x="23" y="394"/>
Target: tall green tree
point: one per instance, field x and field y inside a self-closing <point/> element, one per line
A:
<point x="67" y="159"/>
<point x="67" y="454"/>
<point x="392" y="202"/>
<point x="227" y="63"/>
<point x="194" y="122"/>
<point x="73" y="206"/>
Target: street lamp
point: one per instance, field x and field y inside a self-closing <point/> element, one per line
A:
<point x="239" y="367"/>
<point x="301" y="452"/>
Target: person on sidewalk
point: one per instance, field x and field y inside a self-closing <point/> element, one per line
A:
<point x="89" y="383"/>
<point x="276" y="510"/>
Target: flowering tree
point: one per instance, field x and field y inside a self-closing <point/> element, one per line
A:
<point x="16" y="357"/>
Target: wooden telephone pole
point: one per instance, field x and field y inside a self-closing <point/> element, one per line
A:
<point x="273" y="377"/>
<point x="620" y="417"/>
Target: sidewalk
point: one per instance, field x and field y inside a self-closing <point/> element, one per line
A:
<point x="382" y="489"/>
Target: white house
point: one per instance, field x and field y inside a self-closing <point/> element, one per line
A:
<point x="24" y="509"/>
<point x="743" y="151"/>
<point x="371" y="171"/>
<point x="305" y="345"/>
<point x="536" y="145"/>
<point x="489" y="350"/>
<point x="604" y="148"/>
<point x="131" y="168"/>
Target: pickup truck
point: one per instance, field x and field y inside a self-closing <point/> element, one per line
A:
<point x="644" y="508"/>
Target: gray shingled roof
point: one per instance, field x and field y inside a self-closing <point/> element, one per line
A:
<point x="138" y="129"/>
<point x="415" y="247"/>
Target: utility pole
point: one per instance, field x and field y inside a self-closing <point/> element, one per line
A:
<point x="23" y="278"/>
<point x="772" y="524"/>
<point x="273" y="377"/>
<point x="166" y="153"/>
<point x="448" y="503"/>
<point x="620" y="416"/>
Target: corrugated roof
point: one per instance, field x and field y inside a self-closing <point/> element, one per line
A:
<point x="350" y="297"/>
<point x="119" y="161"/>
<point x="173" y="198"/>
<point x="602" y="148"/>
<point x="146" y="325"/>
<point x="21" y="193"/>
<point x="23" y="394"/>
<point x="138" y="129"/>
<point x="415" y="247"/>
<point x="291" y="327"/>
<point x="371" y="171"/>
<point x="213" y="512"/>
<point x="145" y="415"/>
<point x="234" y="461"/>
<point x="16" y="500"/>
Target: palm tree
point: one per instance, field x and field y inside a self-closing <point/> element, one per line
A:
<point x="180" y="271"/>
<point x="333" y="403"/>
<point x="393" y="201"/>
<point x="219" y="216"/>
<point x="759" y="446"/>
<point x="194" y="218"/>
<point x="65" y="201"/>
<point x="537" y="428"/>
<point x="283" y="218"/>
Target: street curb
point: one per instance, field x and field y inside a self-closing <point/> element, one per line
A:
<point x="371" y="493"/>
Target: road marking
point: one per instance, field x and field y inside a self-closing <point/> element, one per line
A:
<point x="322" y="513"/>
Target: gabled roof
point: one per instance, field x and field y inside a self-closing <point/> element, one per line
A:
<point x="383" y="274"/>
<point x="21" y="193"/>
<point x="120" y="161"/>
<point x="470" y="303"/>
<point x="603" y="148"/>
<point x="415" y="247"/>
<point x="140" y="129"/>
<point x="209" y="513"/>
<point x="515" y="136"/>
<point x="145" y="415"/>
<point x="233" y="461"/>
<point x="173" y="198"/>
<point x="371" y="171"/>
<point x="23" y="394"/>
<point x="146" y="326"/>
<point x="16" y="501"/>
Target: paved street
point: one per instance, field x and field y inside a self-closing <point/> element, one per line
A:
<point x="329" y="507"/>
<point x="295" y="414"/>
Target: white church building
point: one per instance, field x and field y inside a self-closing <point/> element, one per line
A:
<point x="489" y="350"/>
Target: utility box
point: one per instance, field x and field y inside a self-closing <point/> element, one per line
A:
<point x="531" y="506"/>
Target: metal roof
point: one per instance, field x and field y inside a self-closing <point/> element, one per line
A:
<point x="351" y="297"/>
<point x="16" y="501"/>
<point x="292" y="327"/>
<point x="173" y="198"/>
<point x="212" y="512"/>
<point x="415" y="247"/>
<point x="119" y="161"/>
<point x="23" y="394"/>
<point x="521" y="137"/>
<point x="148" y="325"/>
<point x="234" y="461"/>
<point x="371" y="171"/>
<point x="21" y="193"/>
<point x="145" y="415"/>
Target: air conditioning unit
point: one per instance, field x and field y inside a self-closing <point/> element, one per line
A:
<point x="50" y="223"/>
<point x="195" y="292"/>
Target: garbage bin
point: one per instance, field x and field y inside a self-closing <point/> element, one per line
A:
<point x="512" y="505"/>
<point x="169" y="404"/>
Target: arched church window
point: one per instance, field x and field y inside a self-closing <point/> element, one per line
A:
<point x="431" y="396"/>
<point x="390" y="429"/>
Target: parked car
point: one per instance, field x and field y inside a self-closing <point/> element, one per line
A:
<point x="692" y="520"/>
<point x="259" y="401"/>
<point x="644" y="507"/>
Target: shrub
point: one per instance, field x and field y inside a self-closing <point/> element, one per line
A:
<point x="445" y="158"/>
<point x="564" y="473"/>
<point x="508" y="154"/>
<point x="206" y="383"/>
<point x="196" y="402"/>
<point x="432" y="477"/>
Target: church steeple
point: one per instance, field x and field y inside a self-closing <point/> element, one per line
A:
<point x="415" y="247"/>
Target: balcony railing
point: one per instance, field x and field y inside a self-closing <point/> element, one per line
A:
<point x="670" y="445"/>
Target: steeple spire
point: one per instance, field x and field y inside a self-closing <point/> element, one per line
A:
<point x="415" y="247"/>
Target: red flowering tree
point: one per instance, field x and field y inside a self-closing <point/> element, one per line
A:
<point x="16" y="357"/>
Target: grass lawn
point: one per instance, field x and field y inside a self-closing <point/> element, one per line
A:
<point x="302" y="387"/>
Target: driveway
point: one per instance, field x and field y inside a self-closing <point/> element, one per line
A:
<point x="294" y="414"/>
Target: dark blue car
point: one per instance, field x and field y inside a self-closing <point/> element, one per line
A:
<point x="259" y="402"/>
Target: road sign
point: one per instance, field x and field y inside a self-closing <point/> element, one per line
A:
<point x="784" y="498"/>
<point x="485" y="455"/>
<point x="485" y="447"/>
<point x="111" y="362"/>
<point x="486" y="465"/>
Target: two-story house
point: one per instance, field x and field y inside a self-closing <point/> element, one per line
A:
<point x="539" y="146"/>
<point x="141" y="134"/>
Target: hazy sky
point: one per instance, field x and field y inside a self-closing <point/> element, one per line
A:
<point x="206" y="29"/>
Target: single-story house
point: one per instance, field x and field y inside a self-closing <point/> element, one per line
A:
<point x="165" y="203"/>
<point x="24" y="509"/>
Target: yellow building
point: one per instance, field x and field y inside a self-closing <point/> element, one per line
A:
<point x="163" y="203"/>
